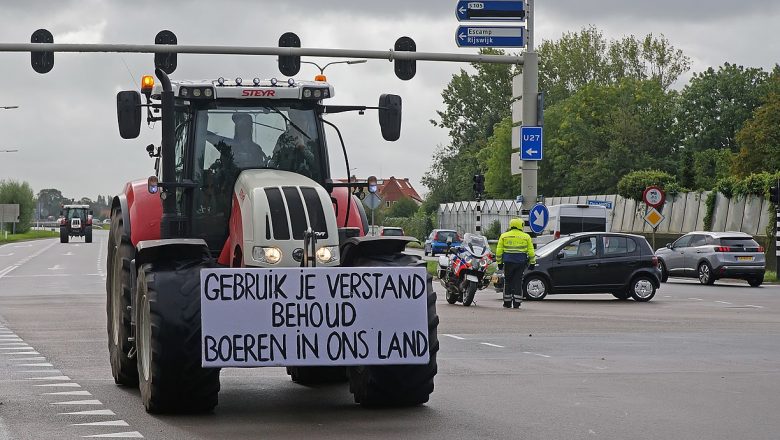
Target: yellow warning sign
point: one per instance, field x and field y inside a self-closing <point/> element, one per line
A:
<point x="653" y="217"/>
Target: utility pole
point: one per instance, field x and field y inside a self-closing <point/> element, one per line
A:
<point x="528" y="94"/>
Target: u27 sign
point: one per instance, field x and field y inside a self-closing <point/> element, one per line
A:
<point x="254" y="317"/>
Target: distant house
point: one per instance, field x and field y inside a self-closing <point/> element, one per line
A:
<point x="392" y="190"/>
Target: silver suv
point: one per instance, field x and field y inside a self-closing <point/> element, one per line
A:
<point x="709" y="256"/>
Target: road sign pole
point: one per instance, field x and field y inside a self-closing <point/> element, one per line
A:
<point x="529" y="92"/>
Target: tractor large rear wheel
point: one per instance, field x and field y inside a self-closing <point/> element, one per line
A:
<point x="168" y="338"/>
<point x="63" y="234"/>
<point x="118" y="290"/>
<point x="88" y="234"/>
<point x="397" y="385"/>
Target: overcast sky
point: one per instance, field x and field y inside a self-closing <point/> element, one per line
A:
<point x="66" y="129"/>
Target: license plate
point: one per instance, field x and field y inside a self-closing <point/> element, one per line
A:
<point x="471" y="278"/>
<point x="744" y="258"/>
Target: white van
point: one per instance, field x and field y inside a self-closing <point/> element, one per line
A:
<point x="570" y="218"/>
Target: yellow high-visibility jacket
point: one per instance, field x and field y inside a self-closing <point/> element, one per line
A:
<point x="515" y="246"/>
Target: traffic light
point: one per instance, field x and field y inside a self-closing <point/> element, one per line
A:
<point x="405" y="69"/>
<point x="774" y="193"/>
<point x="289" y="65"/>
<point x="479" y="184"/>
<point x="165" y="61"/>
<point x="42" y="61"/>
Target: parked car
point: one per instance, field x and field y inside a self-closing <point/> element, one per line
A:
<point x="107" y="221"/>
<point x="597" y="262"/>
<point x="710" y="256"/>
<point x="436" y="243"/>
<point x="389" y="231"/>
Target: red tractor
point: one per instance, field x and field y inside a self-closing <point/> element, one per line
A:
<point x="242" y="180"/>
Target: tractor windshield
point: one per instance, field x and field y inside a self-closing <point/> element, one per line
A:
<point x="230" y="139"/>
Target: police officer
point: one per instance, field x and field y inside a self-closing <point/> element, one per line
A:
<point x="514" y="253"/>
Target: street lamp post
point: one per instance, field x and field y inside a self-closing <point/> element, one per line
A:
<point x="322" y="69"/>
<point x="8" y="107"/>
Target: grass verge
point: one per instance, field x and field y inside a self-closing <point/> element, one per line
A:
<point x="30" y="235"/>
<point x="770" y="277"/>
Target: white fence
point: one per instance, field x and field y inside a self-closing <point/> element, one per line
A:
<point x="683" y="213"/>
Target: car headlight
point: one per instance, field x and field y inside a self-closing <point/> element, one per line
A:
<point x="270" y="255"/>
<point x="327" y="254"/>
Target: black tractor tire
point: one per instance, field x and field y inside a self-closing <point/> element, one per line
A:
<point x="168" y="338"/>
<point x="664" y="272"/>
<point x="642" y="288"/>
<point x="119" y="281"/>
<point x="63" y="234"/>
<point x="755" y="282"/>
<point x="88" y="234"/>
<point x="317" y="375"/>
<point x="397" y="385"/>
<point x="704" y="273"/>
<point x="468" y="295"/>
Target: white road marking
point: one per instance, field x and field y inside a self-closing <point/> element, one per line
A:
<point x="7" y="270"/>
<point x="44" y="275"/>
<point x="56" y="267"/>
<point x="39" y="364"/>
<point x="537" y="354"/>
<point x="63" y="384"/>
<point x="22" y="245"/>
<point x="94" y="412"/>
<point x="106" y="423"/>
<point x="696" y="299"/>
<point x="723" y="302"/>
<point x="50" y="378"/>
<point x="492" y="345"/>
<point x="755" y="307"/>
<point x="6" y="255"/>
<point x="453" y="337"/>
<point x="68" y="254"/>
<point x="39" y="371"/>
<point x="20" y="352"/>
<point x="40" y="358"/>
<point x="15" y="346"/>
<point x="79" y="402"/>
<point x="68" y="393"/>
<point x="131" y="434"/>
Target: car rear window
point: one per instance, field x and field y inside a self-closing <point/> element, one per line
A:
<point x="392" y="232"/>
<point x="444" y="235"/>
<point x="739" y="242"/>
<point x="570" y="225"/>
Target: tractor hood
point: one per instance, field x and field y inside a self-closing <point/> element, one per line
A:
<point x="276" y="209"/>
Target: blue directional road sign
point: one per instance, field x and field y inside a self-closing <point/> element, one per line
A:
<point x="492" y="10"/>
<point x="490" y="36"/>
<point x="531" y="143"/>
<point x="538" y="218"/>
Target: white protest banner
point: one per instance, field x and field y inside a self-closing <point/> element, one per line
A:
<point x="255" y="317"/>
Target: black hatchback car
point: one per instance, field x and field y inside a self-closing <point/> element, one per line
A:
<point x="603" y="262"/>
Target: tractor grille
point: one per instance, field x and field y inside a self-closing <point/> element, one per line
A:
<point x="292" y="211"/>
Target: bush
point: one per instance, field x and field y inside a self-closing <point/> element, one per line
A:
<point x="13" y="192"/>
<point x="633" y="184"/>
<point x="493" y="231"/>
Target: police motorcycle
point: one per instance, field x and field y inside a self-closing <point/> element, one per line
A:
<point x="463" y="270"/>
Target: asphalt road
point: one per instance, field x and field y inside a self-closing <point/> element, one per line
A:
<point x="694" y="363"/>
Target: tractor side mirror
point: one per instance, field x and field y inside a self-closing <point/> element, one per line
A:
<point x="128" y="113"/>
<point x="390" y="116"/>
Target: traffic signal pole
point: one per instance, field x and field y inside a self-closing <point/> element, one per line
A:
<point x="530" y="91"/>
<point x="774" y="197"/>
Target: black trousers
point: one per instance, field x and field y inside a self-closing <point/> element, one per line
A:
<point x="513" y="282"/>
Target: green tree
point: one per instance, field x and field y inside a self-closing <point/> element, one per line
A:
<point x="633" y="184"/>
<point x="14" y="192"/>
<point x="586" y="57"/>
<point x="715" y="104"/>
<point x="49" y="202"/>
<point x="603" y="132"/>
<point x="709" y="166"/>
<point x="404" y="207"/>
<point x="759" y="139"/>
<point x="499" y="181"/>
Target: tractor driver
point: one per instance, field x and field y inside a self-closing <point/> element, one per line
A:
<point x="244" y="151"/>
<point x="294" y="149"/>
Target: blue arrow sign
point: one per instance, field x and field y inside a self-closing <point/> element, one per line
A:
<point x="490" y="36"/>
<point x="531" y="143"/>
<point x="538" y="217"/>
<point x="492" y="10"/>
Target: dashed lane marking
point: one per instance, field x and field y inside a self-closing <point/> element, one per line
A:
<point x="492" y="345"/>
<point x="35" y="368"/>
<point x="24" y="260"/>
<point x="454" y="337"/>
<point x="106" y="423"/>
<point x="723" y="302"/>
<point x="754" y="307"/>
<point x="536" y="354"/>
<point x="78" y="402"/>
<point x="695" y="299"/>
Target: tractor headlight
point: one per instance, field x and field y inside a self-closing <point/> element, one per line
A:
<point x="270" y="255"/>
<point x="327" y="254"/>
